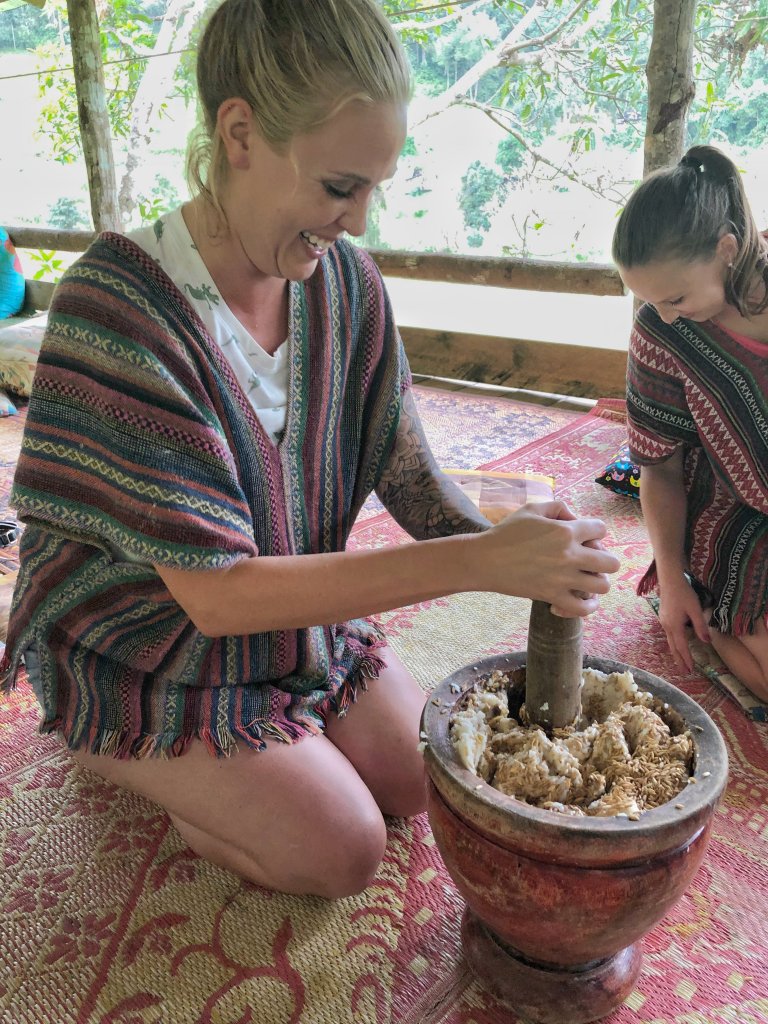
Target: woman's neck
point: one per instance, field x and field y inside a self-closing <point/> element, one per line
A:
<point x="258" y="301"/>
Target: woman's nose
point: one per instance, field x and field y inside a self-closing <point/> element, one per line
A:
<point x="354" y="220"/>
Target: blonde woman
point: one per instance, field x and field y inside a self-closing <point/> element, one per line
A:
<point x="216" y="397"/>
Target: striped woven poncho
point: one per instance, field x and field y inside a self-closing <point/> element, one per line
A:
<point x="140" y="448"/>
<point x="698" y="385"/>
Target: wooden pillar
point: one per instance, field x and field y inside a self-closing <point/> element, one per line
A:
<point x="92" y="114"/>
<point x="669" y="72"/>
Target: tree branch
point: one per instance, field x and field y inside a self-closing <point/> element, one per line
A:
<point x="424" y="26"/>
<point x="432" y="7"/>
<point x="509" y="52"/>
<point x="496" y="116"/>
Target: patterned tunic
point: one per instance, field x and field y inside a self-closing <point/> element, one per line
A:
<point x="699" y="386"/>
<point x="140" y="448"/>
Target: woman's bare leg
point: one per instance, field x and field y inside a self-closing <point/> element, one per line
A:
<point x="380" y="736"/>
<point x="303" y="817"/>
<point x="294" y="817"/>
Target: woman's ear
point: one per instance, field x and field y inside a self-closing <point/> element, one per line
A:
<point x="728" y="248"/>
<point x="234" y="121"/>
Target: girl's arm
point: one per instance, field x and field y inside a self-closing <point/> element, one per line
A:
<point x="663" y="499"/>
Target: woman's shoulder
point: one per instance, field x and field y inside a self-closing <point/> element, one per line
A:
<point x="116" y="268"/>
<point x="351" y="256"/>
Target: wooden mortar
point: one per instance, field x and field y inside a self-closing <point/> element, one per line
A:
<point x="557" y="905"/>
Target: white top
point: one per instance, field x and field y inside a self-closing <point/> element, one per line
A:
<point x="263" y="377"/>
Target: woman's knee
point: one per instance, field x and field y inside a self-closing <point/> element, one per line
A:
<point x="406" y="795"/>
<point x="335" y="859"/>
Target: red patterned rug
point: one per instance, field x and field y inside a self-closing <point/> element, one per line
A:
<point x="107" y="918"/>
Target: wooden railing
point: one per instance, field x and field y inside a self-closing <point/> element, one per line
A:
<point x="576" y="370"/>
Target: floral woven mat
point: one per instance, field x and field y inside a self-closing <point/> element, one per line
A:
<point x="107" y="918"/>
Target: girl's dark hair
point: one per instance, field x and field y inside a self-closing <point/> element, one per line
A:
<point x="681" y="212"/>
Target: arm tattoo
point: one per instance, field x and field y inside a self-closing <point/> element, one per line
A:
<point x="417" y="494"/>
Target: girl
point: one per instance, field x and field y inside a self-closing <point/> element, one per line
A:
<point x="697" y="397"/>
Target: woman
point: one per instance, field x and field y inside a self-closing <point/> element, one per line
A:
<point x="215" y="400"/>
<point x="687" y="245"/>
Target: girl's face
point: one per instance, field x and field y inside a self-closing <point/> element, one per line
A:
<point x="286" y="209"/>
<point x="694" y="290"/>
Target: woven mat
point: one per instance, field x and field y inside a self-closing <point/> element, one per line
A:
<point x="107" y="918"/>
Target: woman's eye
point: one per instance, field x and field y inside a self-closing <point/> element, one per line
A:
<point x="337" y="193"/>
<point x="676" y="302"/>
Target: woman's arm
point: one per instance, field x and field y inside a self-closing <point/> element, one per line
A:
<point x="540" y="552"/>
<point x="417" y="494"/>
<point x="664" y="503"/>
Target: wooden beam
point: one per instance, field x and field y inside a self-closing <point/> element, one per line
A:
<point x="51" y="239"/>
<point x="575" y="370"/>
<point x="532" y="275"/>
<point x="92" y="113"/>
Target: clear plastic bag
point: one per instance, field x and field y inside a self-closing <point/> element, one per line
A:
<point x="498" y="494"/>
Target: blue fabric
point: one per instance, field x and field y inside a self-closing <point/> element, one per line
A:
<point x="11" y="278"/>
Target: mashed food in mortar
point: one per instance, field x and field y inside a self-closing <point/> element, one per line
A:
<point x="621" y="759"/>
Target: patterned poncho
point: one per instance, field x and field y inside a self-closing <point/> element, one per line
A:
<point x="140" y="448"/>
<point x="698" y="385"/>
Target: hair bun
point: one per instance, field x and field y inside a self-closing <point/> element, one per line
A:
<point x="692" y="160"/>
<point x="710" y="161"/>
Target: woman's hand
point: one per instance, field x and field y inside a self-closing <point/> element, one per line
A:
<point x="545" y="553"/>
<point x="680" y="607"/>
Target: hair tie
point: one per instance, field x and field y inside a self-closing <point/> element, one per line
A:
<point x="692" y="162"/>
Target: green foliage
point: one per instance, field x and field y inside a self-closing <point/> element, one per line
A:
<point x="163" y="198"/>
<point x="126" y="33"/>
<point x="51" y="268"/>
<point x="68" y="214"/>
<point x="567" y="87"/>
<point x="409" y="149"/>
<point x="24" y="28"/>
<point x="510" y="154"/>
<point x="481" y="188"/>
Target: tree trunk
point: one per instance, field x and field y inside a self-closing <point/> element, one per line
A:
<point x="92" y="114"/>
<point x="178" y="22"/>
<point x="669" y="72"/>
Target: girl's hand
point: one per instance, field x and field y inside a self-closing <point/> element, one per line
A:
<point x="679" y="607"/>
<point x="545" y="553"/>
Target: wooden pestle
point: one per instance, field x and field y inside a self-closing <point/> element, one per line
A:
<point x="553" y="672"/>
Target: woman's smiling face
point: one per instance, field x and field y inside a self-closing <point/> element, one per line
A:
<point x="285" y="209"/>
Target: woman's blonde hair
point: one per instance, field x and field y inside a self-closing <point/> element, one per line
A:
<point x="296" y="63"/>
<point x="682" y="212"/>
